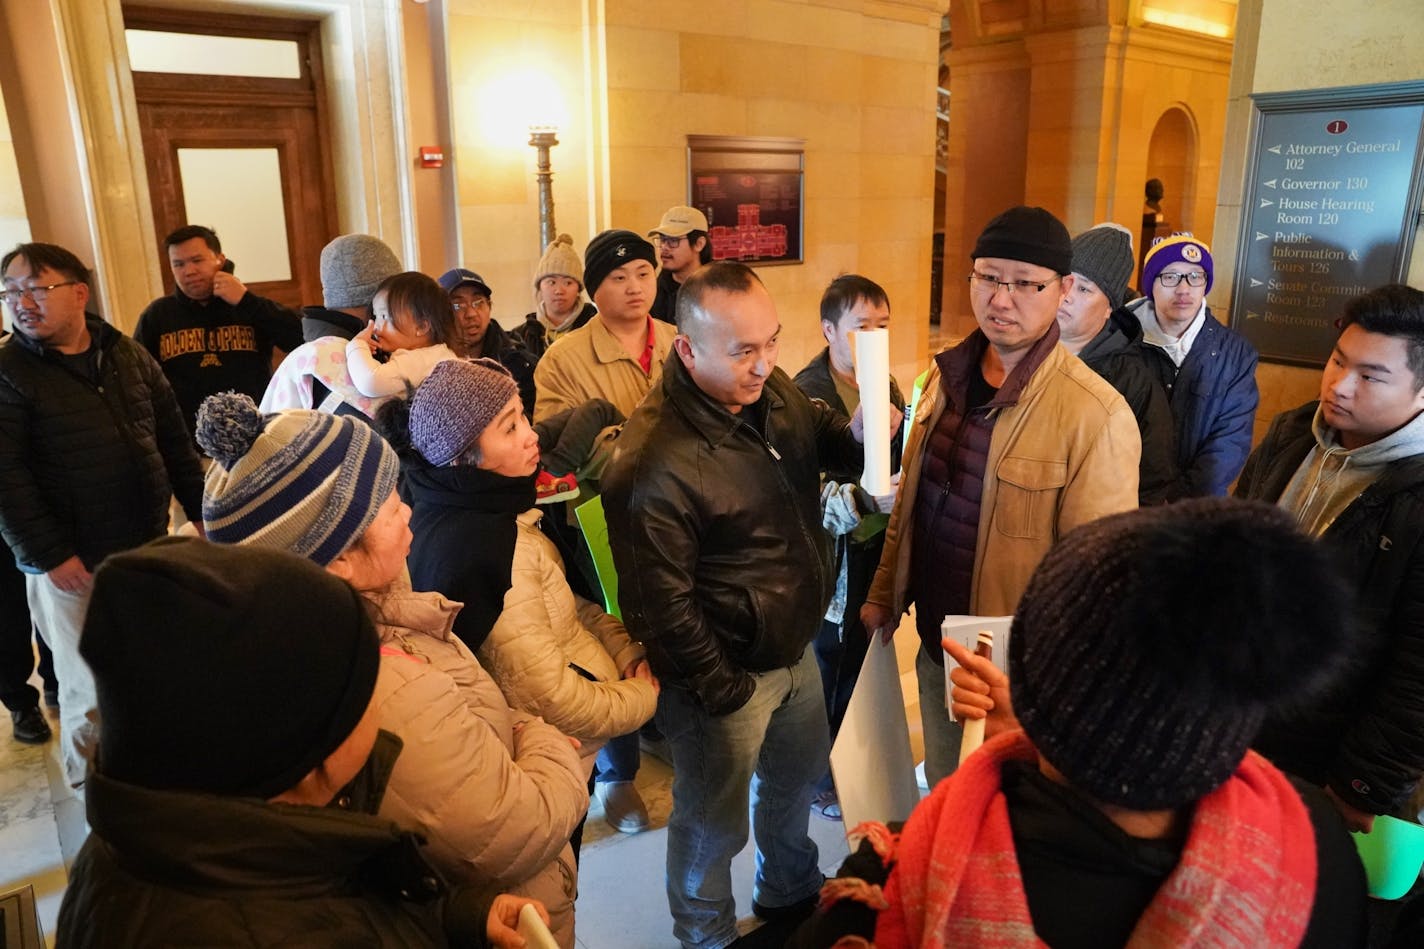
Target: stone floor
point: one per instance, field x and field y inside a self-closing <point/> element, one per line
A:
<point x="41" y="822"/>
<point x="621" y="904"/>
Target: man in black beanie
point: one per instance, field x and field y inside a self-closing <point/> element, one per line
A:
<point x="239" y="771"/>
<point x="1014" y="444"/>
<point x="618" y="355"/>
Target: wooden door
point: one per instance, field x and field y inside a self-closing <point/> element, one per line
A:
<point x="250" y="151"/>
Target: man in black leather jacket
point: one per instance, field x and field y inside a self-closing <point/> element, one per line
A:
<point x="712" y="500"/>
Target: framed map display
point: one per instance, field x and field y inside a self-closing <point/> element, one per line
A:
<point x="752" y="191"/>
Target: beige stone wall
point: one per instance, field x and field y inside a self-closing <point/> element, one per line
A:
<point x="854" y="78"/>
<point x="14" y="225"/>
<point x="1059" y="111"/>
<point x="489" y="42"/>
<point x="1284" y="45"/>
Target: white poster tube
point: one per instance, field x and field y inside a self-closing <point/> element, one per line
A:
<point x="872" y="375"/>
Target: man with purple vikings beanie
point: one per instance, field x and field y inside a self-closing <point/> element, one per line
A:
<point x="1208" y="370"/>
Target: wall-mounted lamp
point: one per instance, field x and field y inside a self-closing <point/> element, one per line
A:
<point x="543" y="138"/>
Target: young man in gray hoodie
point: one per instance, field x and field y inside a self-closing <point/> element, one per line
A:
<point x="1350" y="468"/>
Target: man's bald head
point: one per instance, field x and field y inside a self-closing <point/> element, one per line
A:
<point x="725" y="276"/>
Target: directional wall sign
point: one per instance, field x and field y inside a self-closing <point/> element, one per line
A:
<point x="1332" y="203"/>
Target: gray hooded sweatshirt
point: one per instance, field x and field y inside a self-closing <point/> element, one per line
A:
<point x="1332" y="476"/>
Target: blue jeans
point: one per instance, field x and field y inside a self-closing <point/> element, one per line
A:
<point x="619" y="759"/>
<point x="942" y="736"/>
<point x="769" y="752"/>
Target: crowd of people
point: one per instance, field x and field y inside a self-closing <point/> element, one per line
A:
<point x="372" y="691"/>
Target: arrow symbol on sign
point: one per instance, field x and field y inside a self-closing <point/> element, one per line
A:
<point x="1255" y="282"/>
<point x="1261" y="237"/>
<point x="1267" y="204"/>
<point x="1252" y="316"/>
<point x="1269" y="184"/>
<point x="1274" y="149"/>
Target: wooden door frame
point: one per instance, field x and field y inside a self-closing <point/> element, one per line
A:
<point x="307" y="91"/>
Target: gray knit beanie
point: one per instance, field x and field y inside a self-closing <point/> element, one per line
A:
<point x="352" y="267"/>
<point x="455" y="404"/>
<point x="1103" y="254"/>
<point x="1149" y="646"/>
<point x="301" y="481"/>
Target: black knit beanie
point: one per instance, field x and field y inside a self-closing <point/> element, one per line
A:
<point x="611" y="250"/>
<point x="224" y="669"/>
<point x="1031" y="235"/>
<point x="1150" y="645"/>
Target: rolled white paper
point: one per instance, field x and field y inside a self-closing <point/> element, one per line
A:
<point x="872" y="375"/>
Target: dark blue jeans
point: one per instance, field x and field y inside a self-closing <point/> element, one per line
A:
<point x="768" y="753"/>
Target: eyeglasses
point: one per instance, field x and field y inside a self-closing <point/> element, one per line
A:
<point x="1195" y="278"/>
<point x="989" y="286"/>
<point x="480" y="303"/>
<point x="671" y="243"/>
<point x="38" y="294"/>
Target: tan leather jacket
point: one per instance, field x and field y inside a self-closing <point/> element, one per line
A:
<point x="1066" y="453"/>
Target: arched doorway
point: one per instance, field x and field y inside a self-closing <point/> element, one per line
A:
<point x="1172" y="160"/>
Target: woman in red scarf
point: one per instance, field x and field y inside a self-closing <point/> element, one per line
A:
<point x="1128" y="811"/>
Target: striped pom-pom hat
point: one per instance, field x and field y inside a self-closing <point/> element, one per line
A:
<point x="306" y="482"/>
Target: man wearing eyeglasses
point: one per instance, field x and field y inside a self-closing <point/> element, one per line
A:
<point x="683" y="246"/>
<point x="480" y="333"/>
<point x="1015" y="443"/>
<point x="1208" y="370"/>
<point x="92" y="444"/>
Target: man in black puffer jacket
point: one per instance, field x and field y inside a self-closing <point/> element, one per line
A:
<point x="712" y="500"/>
<point x="92" y="446"/>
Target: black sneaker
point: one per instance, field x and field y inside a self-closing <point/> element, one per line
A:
<point x="795" y="912"/>
<point x="30" y="726"/>
<point x="781" y="922"/>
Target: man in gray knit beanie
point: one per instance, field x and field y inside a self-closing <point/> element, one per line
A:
<point x="352" y="267"/>
<point x="1094" y="326"/>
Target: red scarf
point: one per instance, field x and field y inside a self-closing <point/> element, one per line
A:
<point x="1246" y="878"/>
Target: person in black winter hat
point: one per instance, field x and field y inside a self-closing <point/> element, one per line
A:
<point x="240" y="766"/>
<point x="1138" y="697"/>
<point x="1130" y="788"/>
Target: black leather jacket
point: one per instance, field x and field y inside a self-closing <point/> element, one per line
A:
<point x="715" y="524"/>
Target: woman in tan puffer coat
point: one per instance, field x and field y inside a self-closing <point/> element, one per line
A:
<point x="470" y="472"/>
<point x="496" y="792"/>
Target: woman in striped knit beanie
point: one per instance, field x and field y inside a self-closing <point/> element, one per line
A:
<point x="495" y="812"/>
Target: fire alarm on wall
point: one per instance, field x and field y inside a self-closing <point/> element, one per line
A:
<point x="432" y="156"/>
